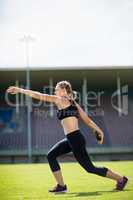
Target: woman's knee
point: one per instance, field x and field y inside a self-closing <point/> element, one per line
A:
<point x="50" y="156"/>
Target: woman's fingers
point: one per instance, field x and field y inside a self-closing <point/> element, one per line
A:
<point x="12" y="90"/>
<point x="8" y="90"/>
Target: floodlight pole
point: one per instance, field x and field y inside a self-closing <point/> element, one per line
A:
<point x="119" y="96"/>
<point x="27" y="39"/>
<point x="84" y="88"/>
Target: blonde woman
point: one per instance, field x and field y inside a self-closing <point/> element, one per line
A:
<point x="68" y="113"/>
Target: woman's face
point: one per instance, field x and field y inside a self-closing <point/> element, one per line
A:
<point x="59" y="91"/>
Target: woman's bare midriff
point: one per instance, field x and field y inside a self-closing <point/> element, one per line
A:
<point x="70" y="124"/>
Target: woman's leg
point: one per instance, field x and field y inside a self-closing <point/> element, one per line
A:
<point x="62" y="147"/>
<point x="59" y="178"/>
<point x="84" y="160"/>
<point x="78" y="146"/>
<point x="77" y="143"/>
<point x="114" y="176"/>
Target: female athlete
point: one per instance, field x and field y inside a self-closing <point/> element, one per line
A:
<point x="69" y="112"/>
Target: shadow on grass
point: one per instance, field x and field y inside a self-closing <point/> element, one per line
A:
<point x="96" y="193"/>
<point x="78" y="194"/>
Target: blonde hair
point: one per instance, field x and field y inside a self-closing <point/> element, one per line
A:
<point x="67" y="86"/>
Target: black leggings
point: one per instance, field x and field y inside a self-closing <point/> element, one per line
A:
<point x="74" y="142"/>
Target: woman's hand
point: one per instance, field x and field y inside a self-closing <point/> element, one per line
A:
<point x="13" y="90"/>
<point x="99" y="136"/>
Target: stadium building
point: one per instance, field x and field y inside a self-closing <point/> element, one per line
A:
<point x="106" y="94"/>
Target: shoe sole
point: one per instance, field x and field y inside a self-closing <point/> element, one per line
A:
<point x="61" y="192"/>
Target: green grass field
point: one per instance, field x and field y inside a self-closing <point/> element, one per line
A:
<point x="32" y="181"/>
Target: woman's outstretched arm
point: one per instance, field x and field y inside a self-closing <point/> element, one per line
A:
<point x="87" y="120"/>
<point x="33" y="94"/>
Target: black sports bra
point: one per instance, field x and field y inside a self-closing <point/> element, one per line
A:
<point x="69" y="111"/>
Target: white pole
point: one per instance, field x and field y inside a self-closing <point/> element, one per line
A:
<point x="17" y="98"/>
<point x="51" y="92"/>
<point x="119" y="96"/>
<point x="85" y="94"/>
<point x="27" y="39"/>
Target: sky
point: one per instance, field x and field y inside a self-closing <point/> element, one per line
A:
<point x="91" y="33"/>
